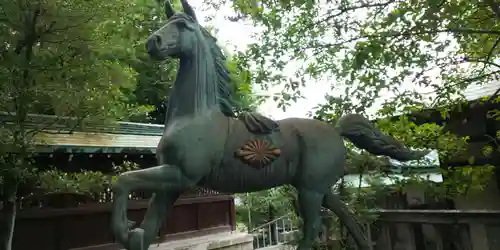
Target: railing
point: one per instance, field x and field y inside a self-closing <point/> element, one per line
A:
<point x="275" y="232"/>
<point x="408" y="229"/>
<point x="438" y="229"/>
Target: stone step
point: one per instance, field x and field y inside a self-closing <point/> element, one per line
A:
<point x="228" y="241"/>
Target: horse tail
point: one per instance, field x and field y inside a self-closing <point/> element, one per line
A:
<point x="363" y="134"/>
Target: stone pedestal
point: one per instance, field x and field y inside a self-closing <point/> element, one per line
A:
<point x="220" y="241"/>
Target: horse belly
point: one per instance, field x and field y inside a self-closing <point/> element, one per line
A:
<point x="235" y="174"/>
<point x="238" y="177"/>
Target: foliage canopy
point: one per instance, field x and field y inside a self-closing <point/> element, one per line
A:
<point x="377" y="48"/>
<point x="420" y="54"/>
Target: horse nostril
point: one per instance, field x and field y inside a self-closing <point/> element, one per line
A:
<point x="153" y="43"/>
<point x="158" y="40"/>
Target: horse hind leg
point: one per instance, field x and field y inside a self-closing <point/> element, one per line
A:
<point x="167" y="181"/>
<point x="310" y="206"/>
<point x="334" y="203"/>
<point x="159" y="206"/>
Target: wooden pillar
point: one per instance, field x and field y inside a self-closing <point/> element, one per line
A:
<point x="232" y="214"/>
<point x="479" y="237"/>
<point x="383" y="240"/>
<point x="404" y="239"/>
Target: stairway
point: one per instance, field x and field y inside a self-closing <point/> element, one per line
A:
<point x="274" y="233"/>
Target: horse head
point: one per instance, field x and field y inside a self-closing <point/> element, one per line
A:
<point x="179" y="37"/>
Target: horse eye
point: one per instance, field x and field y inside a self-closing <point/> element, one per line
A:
<point x="181" y="23"/>
<point x="184" y="24"/>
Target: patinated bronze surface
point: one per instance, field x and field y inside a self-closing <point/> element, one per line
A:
<point x="205" y="144"/>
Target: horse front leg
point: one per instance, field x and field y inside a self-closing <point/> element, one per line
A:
<point x="168" y="181"/>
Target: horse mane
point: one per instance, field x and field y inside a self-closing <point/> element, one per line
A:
<point x="224" y="81"/>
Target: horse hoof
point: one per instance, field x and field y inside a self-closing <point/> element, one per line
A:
<point x="131" y="224"/>
<point x="136" y="239"/>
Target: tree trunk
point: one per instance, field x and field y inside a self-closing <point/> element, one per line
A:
<point x="7" y="223"/>
<point x="8" y="213"/>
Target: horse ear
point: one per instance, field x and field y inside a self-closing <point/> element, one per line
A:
<point x="188" y="9"/>
<point x="169" y="10"/>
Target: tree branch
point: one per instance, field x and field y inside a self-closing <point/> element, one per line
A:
<point x="493" y="96"/>
<point x="344" y="10"/>
<point x="52" y="28"/>
<point x="68" y="128"/>
<point x="486" y="62"/>
<point x="402" y="34"/>
<point x="490" y="53"/>
<point x="495" y="7"/>
<point x="464" y="81"/>
<point x="477" y="78"/>
<point x="426" y="32"/>
<point x="7" y="111"/>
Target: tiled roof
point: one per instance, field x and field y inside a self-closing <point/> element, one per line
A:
<point x="354" y="180"/>
<point x="118" y="137"/>
<point x="475" y="91"/>
<point x="429" y="163"/>
<point x="126" y="128"/>
<point x="425" y="169"/>
<point x="98" y="141"/>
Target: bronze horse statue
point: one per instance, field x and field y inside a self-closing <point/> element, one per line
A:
<point x="205" y="144"/>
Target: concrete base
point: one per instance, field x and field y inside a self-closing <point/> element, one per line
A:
<point x="223" y="241"/>
<point x="279" y="247"/>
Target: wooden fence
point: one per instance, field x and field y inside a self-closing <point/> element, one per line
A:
<point x="88" y="226"/>
<point x="436" y="230"/>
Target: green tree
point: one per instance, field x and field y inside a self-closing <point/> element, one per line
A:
<point x="53" y="61"/>
<point x="81" y="62"/>
<point x="242" y="84"/>
<point x="257" y="208"/>
<point x="154" y="79"/>
<point x="372" y="49"/>
<point x="379" y="48"/>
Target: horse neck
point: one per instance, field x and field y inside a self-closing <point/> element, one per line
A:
<point x="195" y="88"/>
